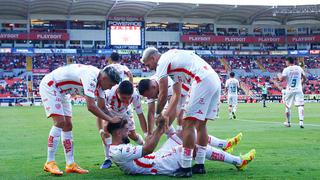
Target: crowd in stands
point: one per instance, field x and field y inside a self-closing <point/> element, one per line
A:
<point x="16" y="86"/>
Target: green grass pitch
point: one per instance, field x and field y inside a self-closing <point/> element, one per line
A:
<point x="282" y="153"/>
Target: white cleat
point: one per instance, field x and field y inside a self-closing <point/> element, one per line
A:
<point x="301" y="124"/>
<point x="287" y="124"/>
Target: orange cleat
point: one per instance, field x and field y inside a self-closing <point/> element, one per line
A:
<point x="52" y="168"/>
<point x="74" y="168"/>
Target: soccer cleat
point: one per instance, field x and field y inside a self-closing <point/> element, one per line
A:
<point x="234" y="115"/>
<point x="301" y="124"/>
<point x="230" y="117"/>
<point x="183" y="172"/>
<point x="106" y="164"/>
<point x="246" y="159"/>
<point x="52" y="168"/>
<point x="231" y="143"/>
<point x="198" y="169"/>
<point x="287" y="124"/>
<point x="74" y="168"/>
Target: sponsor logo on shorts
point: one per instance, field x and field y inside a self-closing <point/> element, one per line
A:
<point x="45" y="100"/>
<point x="48" y="108"/>
<point x="58" y="106"/>
<point x="199" y="112"/>
<point x="58" y="99"/>
<point x="90" y="90"/>
<point x="92" y="85"/>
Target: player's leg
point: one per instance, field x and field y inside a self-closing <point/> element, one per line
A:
<point x="132" y="133"/>
<point x="179" y="120"/>
<point x="299" y="102"/>
<point x="225" y="144"/>
<point x="240" y="162"/>
<point x="51" y="100"/>
<point x="202" y="141"/>
<point x="67" y="139"/>
<point x="230" y="106"/>
<point x="288" y="102"/>
<point x="106" y="142"/>
<point x="234" y="106"/>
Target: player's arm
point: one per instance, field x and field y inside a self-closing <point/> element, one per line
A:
<point x="172" y="107"/>
<point x="151" y="111"/>
<point x="163" y="94"/>
<point x="303" y="77"/>
<point x="129" y="75"/>
<point x="94" y="109"/>
<point x="143" y="122"/>
<point x="152" y="141"/>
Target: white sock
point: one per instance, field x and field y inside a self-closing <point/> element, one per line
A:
<point x="140" y="140"/>
<point x="234" y="109"/>
<point x="67" y="141"/>
<point x="219" y="155"/>
<point x="201" y="154"/>
<point x="215" y="142"/>
<point x="106" y="144"/>
<point x="301" y="113"/>
<point x="288" y="114"/>
<point x="170" y="131"/>
<point x="186" y="157"/>
<point x="179" y="128"/>
<point x="53" y="142"/>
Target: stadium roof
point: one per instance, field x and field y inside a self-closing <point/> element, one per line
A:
<point x="220" y="11"/>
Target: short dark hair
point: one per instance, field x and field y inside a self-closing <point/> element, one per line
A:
<point x="144" y="85"/>
<point x="232" y="74"/>
<point x="112" y="73"/>
<point x="115" y="57"/>
<point x="111" y="127"/>
<point x="126" y="87"/>
<point x="291" y="60"/>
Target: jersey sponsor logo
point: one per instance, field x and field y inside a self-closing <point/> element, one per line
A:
<point x="201" y="101"/>
<point x="48" y="108"/>
<point x="58" y="99"/>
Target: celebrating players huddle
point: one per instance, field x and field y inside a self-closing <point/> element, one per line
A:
<point x="184" y="87"/>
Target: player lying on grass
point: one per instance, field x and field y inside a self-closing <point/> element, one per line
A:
<point x="143" y="160"/>
<point x="149" y="88"/>
<point x="118" y="100"/>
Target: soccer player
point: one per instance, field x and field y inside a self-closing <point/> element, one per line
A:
<point x="118" y="100"/>
<point x="149" y="88"/>
<point x="295" y="77"/>
<point x="124" y="73"/>
<point x="264" y="94"/>
<point x="143" y="160"/>
<point x="205" y="86"/>
<point x="232" y="86"/>
<point x="55" y="90"/>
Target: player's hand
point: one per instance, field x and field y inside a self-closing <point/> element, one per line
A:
<point x="115" y="119"/>
<point x="279" y="76"/>
<point x="163" y="123"/>
<point x="102" y="134"/>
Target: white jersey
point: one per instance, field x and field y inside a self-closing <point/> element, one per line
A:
<point x="76" y="79"/>
<point x="122" y="69"/>
<point x="232" y="84"/>
<point x="183" y="66"/>
<point x="113" y="102"/>
<point x="129" y="159"/>
<point x="184" y="89"/>
<point x="293" y="77"/>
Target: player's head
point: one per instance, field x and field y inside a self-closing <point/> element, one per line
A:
<point x="108" y="77"/>
<point x="232" y="74"/>
<point x="148" y="88"/>
<point x="119" y="130"/>
<point x="290" y="61"/>
<point x="150" y="57"/>
<point x="115" y="57"/>
<point x="125" y="91"/>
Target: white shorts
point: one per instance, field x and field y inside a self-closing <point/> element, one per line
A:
<point x="232" y="100"/>
<point x="53" y="101"/>
<point x="294" y="97"/>
<point x="204" y="99"/>
<point x="127" y="116"/>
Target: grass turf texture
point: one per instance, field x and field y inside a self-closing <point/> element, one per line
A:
<point x="282" y="153"/>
